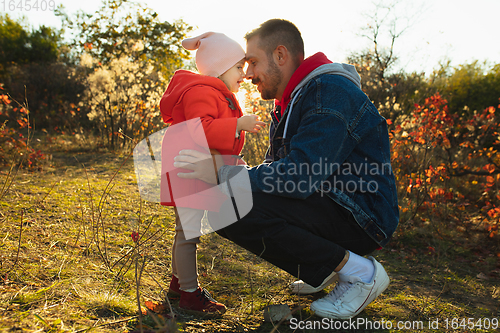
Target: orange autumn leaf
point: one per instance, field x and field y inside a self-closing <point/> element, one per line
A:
<point x="4" y="99"/>
<point x="156" y="307"/>
<point x="490" y="168"/>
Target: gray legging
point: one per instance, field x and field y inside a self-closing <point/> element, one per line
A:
<point x="184" y="264"/>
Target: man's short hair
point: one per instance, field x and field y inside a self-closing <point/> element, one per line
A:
<point x="275" y="32"/>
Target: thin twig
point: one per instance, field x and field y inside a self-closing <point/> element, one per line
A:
<point x="92" y="220"/>
<point x="172" y="314"/>
<point x="138" y="274"/>
<point x="106" y="324"/>
<point x="19" y="167"/>
<point x="298" y="294"/>
<point x="299" y="308"/>
<point x="4" y="189"/>
<point x="251" y="288"/>
<point x="152" y="235"/>
<point x="100" y="208"/>
<point x="46" y="195"/>
<point x="18" y="245"/>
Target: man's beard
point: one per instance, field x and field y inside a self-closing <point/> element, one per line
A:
<point x="273" y="78"/>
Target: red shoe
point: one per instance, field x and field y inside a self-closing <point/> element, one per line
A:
<point x="174" y="288"/>
<point x="200" y="302"/>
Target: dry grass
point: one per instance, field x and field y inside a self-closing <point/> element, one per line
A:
<point x="68" y="263"/>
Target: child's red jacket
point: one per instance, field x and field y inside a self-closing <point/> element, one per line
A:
<point x="190" y="96"/>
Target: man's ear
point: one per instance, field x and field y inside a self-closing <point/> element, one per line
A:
<point x="281" y="55"/>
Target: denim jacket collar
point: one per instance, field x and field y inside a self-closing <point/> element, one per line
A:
<point x="345" y="70"/>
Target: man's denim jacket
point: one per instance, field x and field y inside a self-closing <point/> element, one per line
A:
<point x="332" y="139"/>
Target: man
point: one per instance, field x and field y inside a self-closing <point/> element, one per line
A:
<point x="327" y="195"/>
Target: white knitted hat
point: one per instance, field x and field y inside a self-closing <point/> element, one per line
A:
<point x="216" y="53"/>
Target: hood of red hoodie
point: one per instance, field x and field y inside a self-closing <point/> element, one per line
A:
<point x="181" y="81"/>
<point x="307" y="66"/>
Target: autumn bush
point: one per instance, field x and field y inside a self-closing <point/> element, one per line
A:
<point x="447" y="165"/>
<point x="129" y="55"/>
<point x="254" y="150"/>
<point x="52" y="91"/>
<point x="15" y="135"/>
<point x="123" y="97"/>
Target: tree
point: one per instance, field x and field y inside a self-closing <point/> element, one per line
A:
<point x="108" y="33"/>
<point x="397" y="93"/>
<point x="394" y="93"/>
<point x="468" y="87"/>
<point x="129" y="55"/>
<point x="32" y="74"/>
<point x="13" y="39"/>
<point x="383" y="28"/>
<point x="43" y="45"/>
<point x="123" y="97"/>
<point x="19" y="45"/>
<point x="51" y="91"/>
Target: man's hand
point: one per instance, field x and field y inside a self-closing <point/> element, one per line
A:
<point x="204" y="166"/>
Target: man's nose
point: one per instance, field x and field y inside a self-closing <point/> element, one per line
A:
<point x="249" y="74"/>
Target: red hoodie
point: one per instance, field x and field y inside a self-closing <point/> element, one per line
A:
<point x="190" y="95"/>
<point x="307" y="66"/>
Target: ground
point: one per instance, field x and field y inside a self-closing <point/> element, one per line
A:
<point x="68" y="263"/>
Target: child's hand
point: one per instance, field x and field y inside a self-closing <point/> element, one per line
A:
<point x="250" y="123"/>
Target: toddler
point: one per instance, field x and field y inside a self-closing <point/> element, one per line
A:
<point x="209" y="96"/>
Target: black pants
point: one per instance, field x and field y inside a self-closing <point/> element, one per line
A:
<point x="306" y="238"/>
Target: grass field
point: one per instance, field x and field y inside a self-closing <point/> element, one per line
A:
<point x="68" y="263"/>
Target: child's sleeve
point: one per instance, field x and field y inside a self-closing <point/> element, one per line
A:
<point x="203" y="103"/>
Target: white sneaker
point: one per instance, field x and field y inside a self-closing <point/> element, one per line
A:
<point x="351" y="295"/>
<point x="301" y="288"/>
